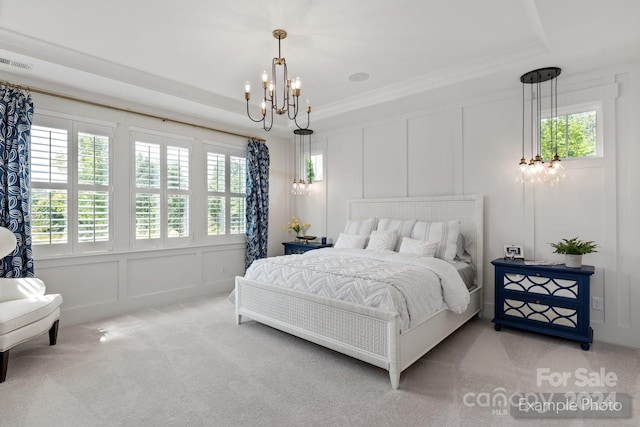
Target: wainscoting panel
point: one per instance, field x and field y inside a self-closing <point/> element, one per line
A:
<point x="148" y="276"/>
<point x="83" y="284"/>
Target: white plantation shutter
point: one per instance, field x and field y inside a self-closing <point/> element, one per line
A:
<point x="49" y="180"/>
<point x="216" y="185"/>
<point x="226" y="192"/>
<point x="147" y="216"/>
<point x="238" y="178"/>
<point x="49" y="217"/>
<point x="49" y="155"/>
<point x="71" y="189"/>
<point x="147" y="201"/>
<point x="163" y="192"/>
<point x="178" y="186"/>
<point x="93" y="188"/>
<point x="147" y="165"/>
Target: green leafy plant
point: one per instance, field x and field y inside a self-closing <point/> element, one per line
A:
<point x="574" y="246"/>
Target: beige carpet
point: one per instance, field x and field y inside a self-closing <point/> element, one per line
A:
<point x="189" y="364"/>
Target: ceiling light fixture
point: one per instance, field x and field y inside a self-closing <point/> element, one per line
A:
<point x="281" y="93"/>
<point x="535" y="169"/>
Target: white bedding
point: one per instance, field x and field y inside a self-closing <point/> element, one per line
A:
<point x="410" y="285"/>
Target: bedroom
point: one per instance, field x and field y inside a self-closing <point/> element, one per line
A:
<point x="372" y="151"/>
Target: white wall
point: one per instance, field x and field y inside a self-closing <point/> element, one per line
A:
<point x="473" y="146"/>
<point x="101" y="285"/>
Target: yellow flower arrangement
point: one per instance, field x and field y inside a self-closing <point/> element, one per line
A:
<point x="295" y="225"/>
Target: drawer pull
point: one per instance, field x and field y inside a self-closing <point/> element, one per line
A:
<point x="537" y="301"/>
<point x="538" y="274"/>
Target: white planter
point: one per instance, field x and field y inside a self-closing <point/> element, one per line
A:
<point x="573" y="261"/>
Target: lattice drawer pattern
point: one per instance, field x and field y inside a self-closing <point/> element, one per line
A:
<point x="357" y="330"/>
<point x="541" y="285"/>
<point x="541" y="312"/>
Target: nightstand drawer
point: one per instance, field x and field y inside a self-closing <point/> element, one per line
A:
<point x="536" y="310"/>
<point x="536" y="282"/>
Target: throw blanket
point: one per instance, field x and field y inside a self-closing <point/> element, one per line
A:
<point x="410" y="285"/>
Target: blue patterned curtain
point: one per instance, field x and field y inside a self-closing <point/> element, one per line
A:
<point x="16" y="115"/>
<point x="257" y="206"/>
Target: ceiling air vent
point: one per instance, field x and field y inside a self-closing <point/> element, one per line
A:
<point x="17" y="64"/>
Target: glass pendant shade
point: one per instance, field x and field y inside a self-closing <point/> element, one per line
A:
<point x="300" y="186"/>
<point x="536" y="170"/>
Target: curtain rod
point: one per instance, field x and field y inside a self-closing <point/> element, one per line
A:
<point x="124" y="110"/>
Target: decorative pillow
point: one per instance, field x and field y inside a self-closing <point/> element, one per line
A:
<point x="382" y="240"/>
<point x="350" y="241"/>
<point x="403" y="227"/>
<point x="445" y="233"/>
<point x="362" y="227"/>
<point x="461" y="251"/>
<point x="418" y="247"/>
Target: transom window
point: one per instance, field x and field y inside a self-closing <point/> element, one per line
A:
<point x="577" y="135"/>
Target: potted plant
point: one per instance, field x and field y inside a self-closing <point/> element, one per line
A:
<point x="573" y="249"/>
<point x="297" y="227"/>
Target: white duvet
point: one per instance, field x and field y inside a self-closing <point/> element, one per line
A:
<point x="410" y="285"/>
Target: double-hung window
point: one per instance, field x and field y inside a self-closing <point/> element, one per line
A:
<point x="71" y="189"/>
<point x="226" y="178"/>
<point x="162" y="191"/>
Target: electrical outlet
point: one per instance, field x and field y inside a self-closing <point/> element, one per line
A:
<point x="597" y="303"/>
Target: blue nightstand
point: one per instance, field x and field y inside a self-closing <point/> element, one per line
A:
<point x="551" y="300"/>
<point x="301" y="247"/>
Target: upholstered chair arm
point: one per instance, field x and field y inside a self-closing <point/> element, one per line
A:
<point x="23" y="288"/>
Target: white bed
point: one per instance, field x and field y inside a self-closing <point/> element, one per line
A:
<point x="370" y="334"/>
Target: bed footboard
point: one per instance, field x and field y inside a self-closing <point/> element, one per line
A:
<point x="364" y="333"/>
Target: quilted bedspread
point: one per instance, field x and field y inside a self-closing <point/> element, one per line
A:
<point x="410" y="285"/>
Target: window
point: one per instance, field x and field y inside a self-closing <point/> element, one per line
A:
<point x="162" y="190"/>
<point x="226" y="181"/>
<point x="71" y="189"/>
<point x="577" y="135"/>
<point x="314" y="167"/>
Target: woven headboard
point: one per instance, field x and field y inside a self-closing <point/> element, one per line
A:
<point x="467" y="209"/>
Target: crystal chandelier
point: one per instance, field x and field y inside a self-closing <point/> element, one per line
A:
<point x="300" y="187"/>
<point x="535" y="170"/>
<point x="280" y="93"/>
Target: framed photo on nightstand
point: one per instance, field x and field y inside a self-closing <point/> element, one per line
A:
<point x="513" y="252"/>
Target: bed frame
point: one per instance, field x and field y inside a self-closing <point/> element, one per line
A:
<point x="365" y="333"/>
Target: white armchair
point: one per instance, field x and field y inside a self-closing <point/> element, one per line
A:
<point x="25" y="311"/>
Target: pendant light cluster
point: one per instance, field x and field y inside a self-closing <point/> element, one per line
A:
<point x="536" y="170"/>
<point x="280" y="93"/>
<point x="300" y="187"/>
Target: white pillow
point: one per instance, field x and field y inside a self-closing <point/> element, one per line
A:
<point x="418" y="247"/>
<point x="350" y="241"/>
<point x="445" y="233"/>
<point x="382" y="240"/>
<point x="403" y="227"/>
<point x="461" y="251"/>
<point x="362" y="227"/>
